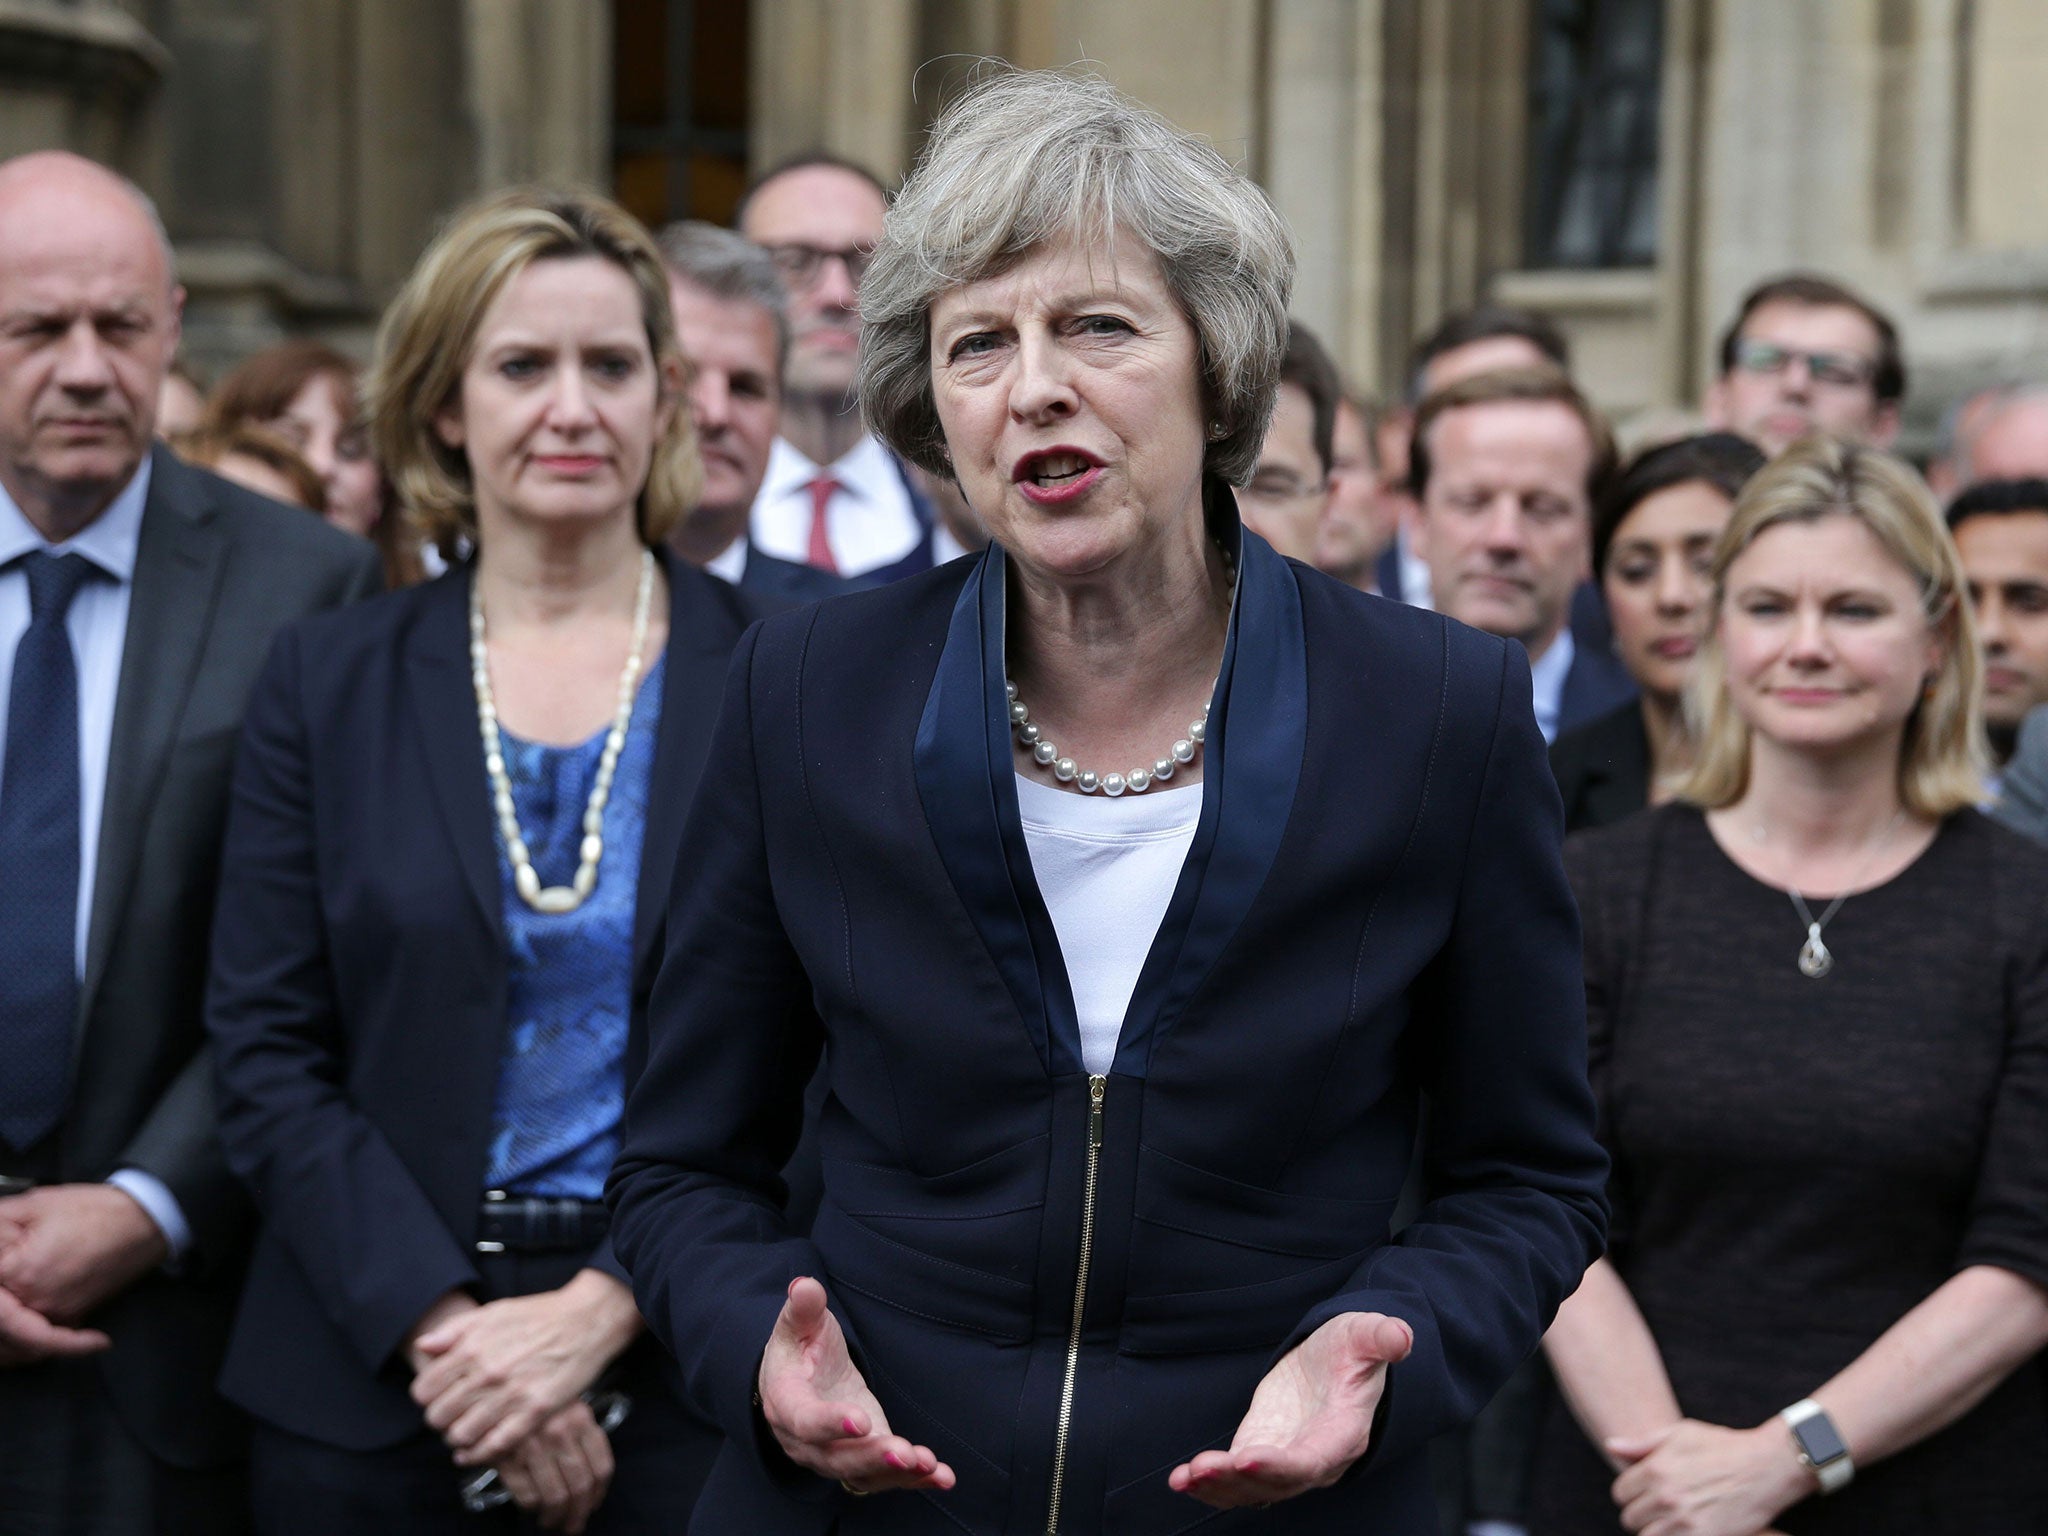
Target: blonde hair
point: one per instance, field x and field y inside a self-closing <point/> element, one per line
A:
<point x="1943" y="759"/>
<point x="425" y="340"/>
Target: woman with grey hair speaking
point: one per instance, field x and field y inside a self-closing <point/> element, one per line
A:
<point x="1142" y="883"/>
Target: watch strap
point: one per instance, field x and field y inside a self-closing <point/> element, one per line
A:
<point x="1819" y="1444"/>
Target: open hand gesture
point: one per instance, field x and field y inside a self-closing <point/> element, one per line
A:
<point x="823" y="1415"/>
<point x="1310" y="1419"/>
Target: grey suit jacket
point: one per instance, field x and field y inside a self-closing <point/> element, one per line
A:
<point x="2023" y="794"/>
<point x="218" y="571"/>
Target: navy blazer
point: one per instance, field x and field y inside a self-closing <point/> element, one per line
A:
<point x="1373" y="908"/>
<point x="1597" y="684"/>
<point x="357" y="1003"/>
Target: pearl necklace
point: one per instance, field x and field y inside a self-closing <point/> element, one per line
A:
<point x="1042" y="751"/>
<point x="556" y="898"/>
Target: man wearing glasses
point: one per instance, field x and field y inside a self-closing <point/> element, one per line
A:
<point x="833" y="498"/>
<point x="1291" y="487"/>
<point x="1806" y="354"/>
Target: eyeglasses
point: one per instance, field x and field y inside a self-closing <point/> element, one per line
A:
<point x="801" y="264"/>
<point x="1269" y="485"/>
<point x="1843" y="369"/>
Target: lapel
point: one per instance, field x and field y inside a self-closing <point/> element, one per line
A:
<point x="701" y="635"/>
<point x="966" y="780"/>
<point x="444" y="710"/>
<point x="179" y="558"/>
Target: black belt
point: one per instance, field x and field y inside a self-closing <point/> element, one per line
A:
<point x="508" y="1223"/>
<point x="10" y="1185"/>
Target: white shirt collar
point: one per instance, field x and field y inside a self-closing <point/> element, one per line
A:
<point x="1546" y="681"/>
<point x="864" y="471"/>
<point x="109" y="541"/>
<point x="730" y="563"/>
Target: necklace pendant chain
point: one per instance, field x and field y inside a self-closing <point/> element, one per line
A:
<point x="1815" y="958"/>
<point x="556" y="899"/>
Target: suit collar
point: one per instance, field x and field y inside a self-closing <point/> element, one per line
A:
<point x="180" y="554"/>
<point x="966" y="778"/>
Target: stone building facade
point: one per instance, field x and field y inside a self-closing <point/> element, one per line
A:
<point x="1629" y="166"/>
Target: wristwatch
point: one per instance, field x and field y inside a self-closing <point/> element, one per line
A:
<point x="1820" y="1444"/>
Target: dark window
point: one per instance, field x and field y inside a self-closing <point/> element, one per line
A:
<point x="679" y="131"/>
<point x="1594" y="73"/>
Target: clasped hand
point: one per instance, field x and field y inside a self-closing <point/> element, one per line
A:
<point x="501" y="1383"/>
<point x="1310" y="1419"/>
<point x="64" y="1250"/>
<point x="1696" y="1479"/>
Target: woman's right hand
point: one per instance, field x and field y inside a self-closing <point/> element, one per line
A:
<point x="561" y="1472"/>
<point x="823" y="1415"/>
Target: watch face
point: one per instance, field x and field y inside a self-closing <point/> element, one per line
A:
<point x="1817" y="1438"/>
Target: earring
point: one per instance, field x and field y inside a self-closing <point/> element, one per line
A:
<point x="1217" y="431"/>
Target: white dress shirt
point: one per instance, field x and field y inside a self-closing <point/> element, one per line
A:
<point x="98" y="625"/>
<point x="1546" y="681"/>
<point x="869" y="522"/>
<point x="1417" y="591"/>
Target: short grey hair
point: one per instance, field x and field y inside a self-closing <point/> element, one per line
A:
<point x="1023" y="159"/>
<point x="729" y="266"/>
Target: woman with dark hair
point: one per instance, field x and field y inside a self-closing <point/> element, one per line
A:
<point x="1653" y="545"/>
<point x="305" y="392"/>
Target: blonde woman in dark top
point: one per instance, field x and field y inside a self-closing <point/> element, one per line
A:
<point x="1817" y="987"/>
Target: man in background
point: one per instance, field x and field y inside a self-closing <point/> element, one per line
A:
<point x="138" y="598"/>
<point x="733" y="327"/>
<point x="1505" y="467"/>
<point x="1464" y="343"/>
<point x="1807" y="354"/>
<point x="2010" y="440"/>
<point x="1291" y="485"/>
<point x="2001" y="532"/>
<point x="833" y="496"/>
<point x="1360" y="518"/>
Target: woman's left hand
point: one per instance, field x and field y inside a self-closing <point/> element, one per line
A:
<point x="497" y="1372"/>
<point x="1695" y="1479"/>
<point x="1310" y="1419"/>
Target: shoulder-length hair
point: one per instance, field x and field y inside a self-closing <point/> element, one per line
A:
<point x="428" y="332"/>
<point x="1943" y="758"/>
<point x="261" y="387"/>
<point x="1024" y="159"/>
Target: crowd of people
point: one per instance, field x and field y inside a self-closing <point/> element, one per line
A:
<point x="666" y="934"/>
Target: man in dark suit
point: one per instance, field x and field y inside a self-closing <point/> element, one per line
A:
<point x="733" y="323"/>
<point x="1506" y="467"/>
<point x="137" y="599"/>
<point x="834" y="496"/>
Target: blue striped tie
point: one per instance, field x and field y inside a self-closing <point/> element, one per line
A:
<point x="39" y="854"/>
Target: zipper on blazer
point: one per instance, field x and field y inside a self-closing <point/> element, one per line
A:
<point x="1098" y="1089"/>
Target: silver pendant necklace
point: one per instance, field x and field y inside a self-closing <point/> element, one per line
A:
<point x="1815" y="958"/>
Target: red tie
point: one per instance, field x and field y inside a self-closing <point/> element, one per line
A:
<point x="821" y="545"/>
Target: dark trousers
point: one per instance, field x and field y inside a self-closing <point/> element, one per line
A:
<point x="301" y="1487"/>
<point x="69" y="1466"/>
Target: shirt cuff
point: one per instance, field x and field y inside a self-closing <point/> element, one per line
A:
<point x="156" y="1199"/>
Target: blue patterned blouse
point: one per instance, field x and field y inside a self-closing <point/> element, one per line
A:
<point x="569" y="979"/>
